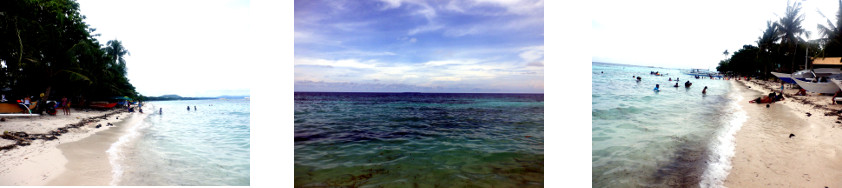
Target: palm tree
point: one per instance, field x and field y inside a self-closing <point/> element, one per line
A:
<point x="766" y="42"/>
<point x="832" y="34"/>
<point x="791" y="30"/>
<point x="115" y="51"/>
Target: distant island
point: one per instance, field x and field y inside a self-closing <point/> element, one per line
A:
<point x="172" y="97"/>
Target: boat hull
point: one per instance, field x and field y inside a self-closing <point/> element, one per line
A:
<point x="785" y="77"/>
<point x="103" y="105"/>
<point x="817" y="87"/>
<point x="837" y="82"/>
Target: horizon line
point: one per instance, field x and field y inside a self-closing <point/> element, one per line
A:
<point x="406" y="92"/>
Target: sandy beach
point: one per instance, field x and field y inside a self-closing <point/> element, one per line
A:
<point x="792" y="143"/>
<point x="77" y="157"/>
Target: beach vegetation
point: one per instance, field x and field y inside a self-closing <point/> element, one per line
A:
<point x="47" y="48"/>
<point x="781" y="47"/>
<point x="831" y="35"/>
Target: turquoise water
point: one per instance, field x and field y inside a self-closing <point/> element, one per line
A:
<point x="425" y="139"/>
<point x="207" y="146"/>
<point x="675" y="137"/>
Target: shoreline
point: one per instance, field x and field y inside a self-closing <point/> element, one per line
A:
<point x="43" y="161"/>
<point x="783" y="145"/>
<point x="88" y="160"/>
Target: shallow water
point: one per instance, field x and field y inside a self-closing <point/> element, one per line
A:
<point x="407" y="139"/>
<point x="669" y="138"/>
<point x="207" y="146"/>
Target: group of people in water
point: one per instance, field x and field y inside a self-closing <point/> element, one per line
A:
<point x="686" y="85"/>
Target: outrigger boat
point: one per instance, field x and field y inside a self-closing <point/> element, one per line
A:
<point x="16" y="110"/>
<point x="821" y="84"/>
<point x="806" y="75"/>
<point x="102" y="104"/>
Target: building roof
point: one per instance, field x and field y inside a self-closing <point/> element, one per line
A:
<point x="828" y="61"/>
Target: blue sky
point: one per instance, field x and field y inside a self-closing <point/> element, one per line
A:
<point x="426" y="46"/>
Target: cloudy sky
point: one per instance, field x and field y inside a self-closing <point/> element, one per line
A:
<point x="687" y="34"/>
<point x="425" y="46"/>
<point x="184" y="47"/>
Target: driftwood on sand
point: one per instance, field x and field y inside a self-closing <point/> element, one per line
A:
<point x="25" y="139"/>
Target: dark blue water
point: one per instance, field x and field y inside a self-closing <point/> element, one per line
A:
<point x="408" y="139"/>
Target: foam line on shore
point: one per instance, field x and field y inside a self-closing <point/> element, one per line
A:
<point x="115" y="151"/>
<point x="723" y="146"/>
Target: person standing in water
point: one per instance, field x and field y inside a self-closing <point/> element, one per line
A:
<point x="705" y="90"/>
<point x="194" y="108"/>
<point x="161" y="111"/>
<point x="188" y="108"/>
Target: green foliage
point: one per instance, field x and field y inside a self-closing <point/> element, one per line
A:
<point x="832" y="35"/>
<point x="780" y="47"/>
<point x="46" y="47"/>
<point x="744" y="61"/>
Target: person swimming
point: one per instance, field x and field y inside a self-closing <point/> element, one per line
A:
<point x="676" y="84"/>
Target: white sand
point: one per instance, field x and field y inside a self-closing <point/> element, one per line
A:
<point x="42" y="161"/>
<point x="765" y="154"/>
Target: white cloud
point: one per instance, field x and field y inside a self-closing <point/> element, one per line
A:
<point x="350" y="63"/>
<point x="450" y="62"/>
<point x="531" y="54"/>
<point x="425" y="28"/>
<point x="446" y="78"/>
<point x="391" y="4"/>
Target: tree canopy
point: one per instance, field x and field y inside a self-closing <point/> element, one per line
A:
<point x="780" y="47"/>
<point x="46" y="47"/>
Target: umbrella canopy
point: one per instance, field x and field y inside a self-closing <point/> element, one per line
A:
<point x="123" y="98"/>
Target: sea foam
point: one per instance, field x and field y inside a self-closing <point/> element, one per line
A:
<point x="723" y="146"/>
<point x="115" y="152"/>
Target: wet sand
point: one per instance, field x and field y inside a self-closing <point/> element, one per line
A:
<point x="88" y="162"/>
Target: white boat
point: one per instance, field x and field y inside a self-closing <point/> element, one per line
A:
<point x="784" y="76"/>
<point x="837" y="81"/>
<point x="807" y="74"/>
<point x="820" y="86"/>
<point x="700" y="72"/>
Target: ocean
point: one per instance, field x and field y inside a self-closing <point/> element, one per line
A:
<point x="206" y="146"/>
<point x="418" y="139"/>
<point x="675" y="137"/>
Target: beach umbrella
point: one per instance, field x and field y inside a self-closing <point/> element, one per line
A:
<point x="123" y="98"/>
